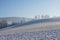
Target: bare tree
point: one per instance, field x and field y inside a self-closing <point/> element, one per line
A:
<point x="36" y="17"/>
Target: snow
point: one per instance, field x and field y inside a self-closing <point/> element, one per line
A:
<point x="44" y="29"/>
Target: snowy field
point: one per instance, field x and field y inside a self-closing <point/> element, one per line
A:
<point x="39" y="35"/>
<point x="36" y="30"/>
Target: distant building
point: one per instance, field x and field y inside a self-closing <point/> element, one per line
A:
<point x="3" y="24"/>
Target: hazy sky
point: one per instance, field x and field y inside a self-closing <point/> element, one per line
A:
<point x="29" y="8"/>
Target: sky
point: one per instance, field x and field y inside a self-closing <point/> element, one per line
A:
<point x="29" y="8"/>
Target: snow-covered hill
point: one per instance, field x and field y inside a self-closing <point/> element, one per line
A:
<point x="35" y="25"/>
